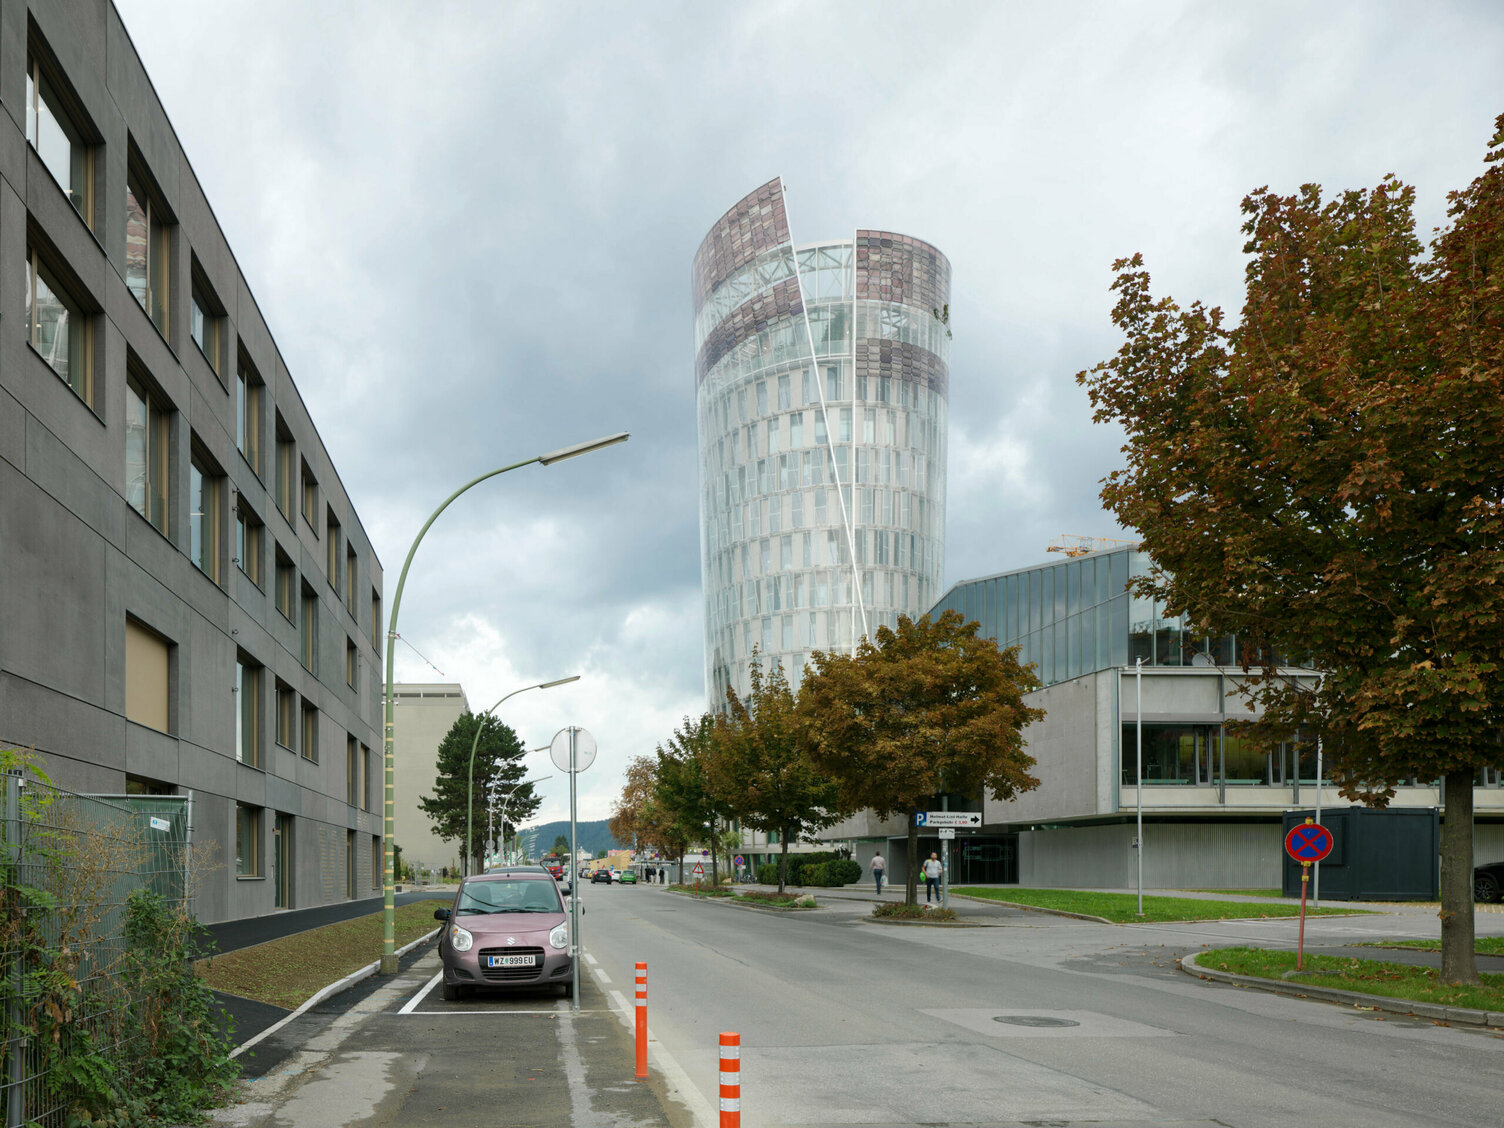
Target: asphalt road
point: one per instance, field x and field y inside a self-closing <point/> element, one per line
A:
<point x="1033" y="1019"/>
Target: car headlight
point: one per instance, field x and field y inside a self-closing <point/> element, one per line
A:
<point x="559" y="937"/>
<point x="460" y="939"/>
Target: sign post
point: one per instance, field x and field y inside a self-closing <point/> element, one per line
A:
<point x="1307" y="844"/>
<point x="572" y="751"/>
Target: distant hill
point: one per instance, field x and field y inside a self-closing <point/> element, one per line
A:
<point x="592" y="836"/>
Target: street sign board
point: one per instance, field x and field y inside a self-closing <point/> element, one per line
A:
<point x="932" y="819"/>
<point x="947" y="832"/>
<point x="699" y="869"/>
<point x="1308" y="842"/>
<point x="738" y="860"/>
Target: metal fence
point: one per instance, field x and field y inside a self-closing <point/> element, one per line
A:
<point x="70" y="863"/>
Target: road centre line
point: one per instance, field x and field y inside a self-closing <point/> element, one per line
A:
<point x="407" y="1007"/>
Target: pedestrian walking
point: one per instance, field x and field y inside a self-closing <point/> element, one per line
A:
<point x="879" y="871"/>
<point x="932" y="871"/>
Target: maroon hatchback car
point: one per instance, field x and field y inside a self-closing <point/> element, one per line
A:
<point x="505" y="931"/>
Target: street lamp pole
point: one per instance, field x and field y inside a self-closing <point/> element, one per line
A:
<point x="474" y="744"/>
<point x="389" y="892"/>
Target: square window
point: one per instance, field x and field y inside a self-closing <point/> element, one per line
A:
<point x="53" y="126"/>
<point x="59" y="328"/>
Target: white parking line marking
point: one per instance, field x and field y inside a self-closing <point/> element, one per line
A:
<point x="591" y="960"/>
<point x="601" y="975"/>
<point x="407" y="1007"/>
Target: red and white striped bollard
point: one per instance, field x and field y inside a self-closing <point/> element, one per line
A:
<point x="642" y="1020"/>
<point x="731" y="1080"/>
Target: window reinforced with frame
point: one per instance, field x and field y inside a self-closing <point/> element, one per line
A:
<point x="352" y="771"/>
<point x="147" y="446"/>
<point x="286" y="467"/>
<point x="352" y="663"/>
<point x="207" y="321"/>
<point x="310" y="488"/>
<point x="248" y="393"/>
<point x="287" y="716"/>
<point x="310" y="630"/>
<point x="57" y="130"/>
<point x="310" y="749"/>
<point x="287" y="586"/>
<point x="247" y="840"/>
<point x="206" y="486"/>
<point x="58" y="326"/>
<point x="352" y="571"/>
<point x="247" y="712"/>
<point x="148" y="248"/>
<point x="248" y="540"/>
<point x="148" y="674"/>
<point x="376" y="621"/>
<point x="333" y="530"/>
<point x="378" y="867"/>
<point x="367" y="779"/>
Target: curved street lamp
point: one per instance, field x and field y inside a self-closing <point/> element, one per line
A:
<point x="389" y="891"/>
<point x="474" y="744"/>
<point x="501" y="810"/>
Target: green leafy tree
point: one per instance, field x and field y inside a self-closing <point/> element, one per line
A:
<point x="684" y="806"/>
<point x="628" y="823"/>
<point x="759" y="766"/>
<point x="1323" y="480"/>
<point x="498" y="757"/>
<point x="561" y="845"/>
<point x="927" y="709"/>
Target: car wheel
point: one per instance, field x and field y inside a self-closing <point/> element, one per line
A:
<point x="1485" y="888"/>
<point x="451" y="992"/>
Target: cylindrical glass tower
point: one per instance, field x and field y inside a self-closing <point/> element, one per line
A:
<point x="822" y="374"/>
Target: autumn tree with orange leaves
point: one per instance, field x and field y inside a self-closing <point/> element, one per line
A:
<point x="1326" y="480"/>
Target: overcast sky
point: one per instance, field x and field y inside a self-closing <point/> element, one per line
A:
<point x="469" y="226"/>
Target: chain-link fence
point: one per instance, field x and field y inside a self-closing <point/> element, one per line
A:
<point x="70" y="864"/>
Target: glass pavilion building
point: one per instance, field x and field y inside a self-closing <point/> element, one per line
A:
<point x="822" y="380"/>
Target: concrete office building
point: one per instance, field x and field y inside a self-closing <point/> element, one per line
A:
<point x="425" y="714"/>
<point x="822" y="376"/>
<point x="188" y="600"/>
<point x="1212" y="803"/>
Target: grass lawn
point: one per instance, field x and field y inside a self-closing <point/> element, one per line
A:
<point x="1482" y="945"/>
<point x="1375" y="977"/>
<point x="1122" y="908"/>
<point x="754" y="896"/>
<point x="286" y="972"/>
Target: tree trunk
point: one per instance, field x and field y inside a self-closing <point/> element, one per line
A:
<point x="1458" y="964"/>
<point x="911" y="868"/>
<point x="783" y="859"/>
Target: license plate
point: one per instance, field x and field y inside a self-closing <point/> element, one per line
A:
<point x="509" y="961"/>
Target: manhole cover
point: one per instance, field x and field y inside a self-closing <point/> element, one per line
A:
<point x="1033" y="1020"/>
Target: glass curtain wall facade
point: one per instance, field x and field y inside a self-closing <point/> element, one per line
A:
<point x="1077" y="617"/>
<point x="822" y="377"/>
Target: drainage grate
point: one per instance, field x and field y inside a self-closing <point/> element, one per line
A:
<point x="1033" y="1020"/>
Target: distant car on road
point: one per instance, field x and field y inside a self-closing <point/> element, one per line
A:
<point x="629" y="877"/>
<point x="505" y="931"/>
<point x="601" y="876"/>
<point x="1488" y="881"/>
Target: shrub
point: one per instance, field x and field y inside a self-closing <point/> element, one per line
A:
<point x="844" y="871"/>
<point x="767" y="873"/>
<point x="913" y="912"/>
<point x="817" y="874"/>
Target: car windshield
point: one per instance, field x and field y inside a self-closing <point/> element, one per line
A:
<point x="508" y="897"/>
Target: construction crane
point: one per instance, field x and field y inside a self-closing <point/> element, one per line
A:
<point x="1072" y="545"/>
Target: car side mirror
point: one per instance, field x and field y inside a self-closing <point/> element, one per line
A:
<point x="441" y="914"/>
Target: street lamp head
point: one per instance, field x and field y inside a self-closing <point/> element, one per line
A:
<point x="561" y="681"/>
<point x="583" y="448"/>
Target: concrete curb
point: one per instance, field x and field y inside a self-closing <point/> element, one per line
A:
<point x="332" y="989"/>
<point x="729" y="903"/>
<point x="925" y="923"/>
<point x="1031" y="908"/>
<point x="1465" y="1015"/>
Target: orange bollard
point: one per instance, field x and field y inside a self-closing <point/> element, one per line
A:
<point x="642" y="1020"/>
<point x="731" y="1080"/>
